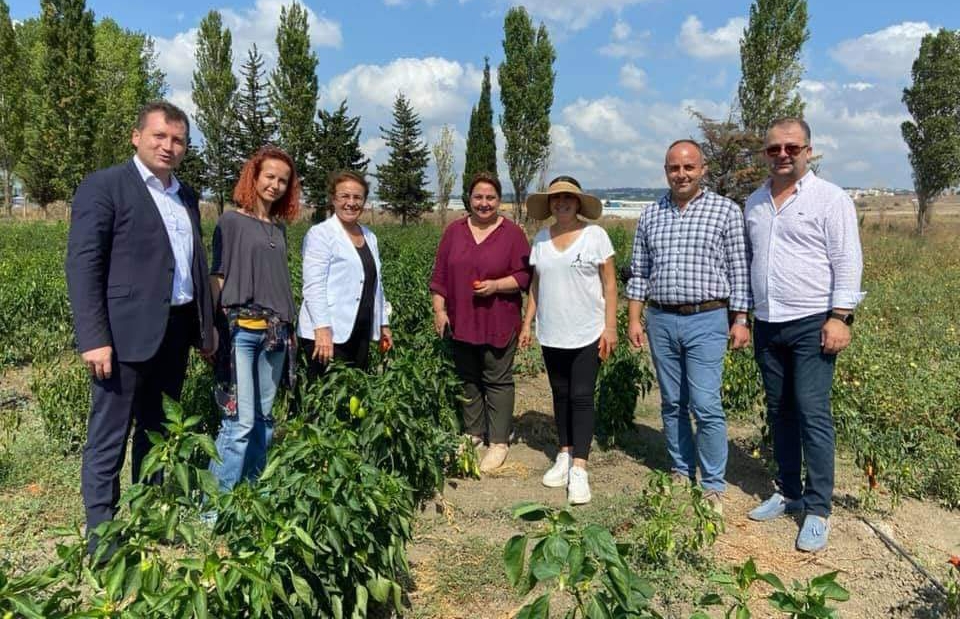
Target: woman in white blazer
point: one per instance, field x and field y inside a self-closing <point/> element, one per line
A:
<point x="343" y="304"/>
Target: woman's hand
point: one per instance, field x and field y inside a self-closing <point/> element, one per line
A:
<point x="441" y="322"/>
<point x="386" y="338"/>
<point x="323" y="344"/>
<point x="608" y="341"/>
<point x="485" y="287"/>
<point x="525" y="337"/>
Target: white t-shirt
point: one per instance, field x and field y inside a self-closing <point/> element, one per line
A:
<point x="570" y="307"/>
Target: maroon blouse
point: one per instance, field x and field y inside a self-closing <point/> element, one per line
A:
<point x="460" y="261"/>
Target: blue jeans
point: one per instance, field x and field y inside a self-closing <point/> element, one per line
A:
<point x="797" y="378"/>
<point x="245" y="437"/>
<point x="688" y="356"/>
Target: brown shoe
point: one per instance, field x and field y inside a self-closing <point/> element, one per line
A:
<point x="493" y="459"/>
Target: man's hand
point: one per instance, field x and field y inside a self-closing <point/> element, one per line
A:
<point x="636" y="334"/>
<point x="834" y="336"/>
<point x="209" y="352"/>
<point x="739" y="336"/>
<point x="99" y="361"/>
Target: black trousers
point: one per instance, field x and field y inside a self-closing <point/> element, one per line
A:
<point x="354" y="352"/>
<point x="131" y="397"/>
<point x="573" y="379"/>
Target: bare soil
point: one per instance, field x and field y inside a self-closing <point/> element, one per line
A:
<point x="475" y="514"/>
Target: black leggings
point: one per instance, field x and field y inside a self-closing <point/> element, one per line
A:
<point x="573" y="378"/>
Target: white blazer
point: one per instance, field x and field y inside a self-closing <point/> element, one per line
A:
<point x="333" y="282"/>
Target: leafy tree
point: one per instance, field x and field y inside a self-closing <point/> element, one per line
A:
<point x="933" y="135"/>
<point x="127" y="77"/>
<point x="61" y="134"/>
<point x="214" y="88"/>
<point x="733" y="168"/>
<point x="293" y="84"/>
<point x="481" y="155"/>
<point x="255" y="123"/>
<point x="526" y="90"/>
<point x="770" y="62"/>
<point x="12" y="105"/>
<point x="443" y="157"/>
<point x="336" y="146"/>
<point x="402" y="179"/>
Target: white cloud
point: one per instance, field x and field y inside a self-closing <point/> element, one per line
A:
<point x="438" y="89"/>
<point x="564" y="156"/>
<point x="600" y="120"/>
<point x="887" y="53"/>
<point x="620" y="31"/>
<point x="856" y="166"/>
<point x="623" y="45"/>
<point x="812" y="86"/>
<point x="573" y="15"/>
<point x="719" y="43"/>
<point x="633" y="77"/>
<point x="858" y="86"/>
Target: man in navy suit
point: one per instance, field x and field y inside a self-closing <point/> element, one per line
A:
<point x="137" y="278"/>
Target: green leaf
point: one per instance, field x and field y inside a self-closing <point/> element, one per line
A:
<point x="711" y="599"/>
<point x="743" y="612"/>
<point x="114" y="581"/>
<point x="200" y="603"/>
<point x="360" y="610"/>
<point x="513" y="556"/>
<point x="172" y="409"/>
<point x="530" y="511"/>
<point x="773" y="580"/>
<point x="538" y="609"/>
<point x="600" y="543"/>
<point x="379" y="587"/>
<point x="183" y="476"/>
<point x="833" y="591"/>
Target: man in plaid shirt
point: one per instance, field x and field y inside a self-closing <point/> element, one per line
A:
<point x="690" y="279"/>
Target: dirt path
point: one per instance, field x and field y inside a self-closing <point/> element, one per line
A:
<point x="456" y="555"/>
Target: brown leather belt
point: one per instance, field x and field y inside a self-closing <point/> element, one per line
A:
<point x="688" y="308"/>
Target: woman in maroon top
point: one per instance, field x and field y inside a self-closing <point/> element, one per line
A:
<point x="482" y="265"/>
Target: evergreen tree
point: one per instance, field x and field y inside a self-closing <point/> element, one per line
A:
<point x="526" y="90"/>
<point x="293" y="85"/>
<point x="192" y="170"/>
<point x="214" y="88"/>
<point x="933" y="135"/>
<point x="336" y="146"/>
<point x="127" y="77"/>
<point x="402" y="179"/>
<point x="62" y="127"/>
<point x="770" y="62"/>
<point x="12" y="105"/>
<point x="481" y="154"/>
<point x="733" y="168"/>
<point x="255" y="124"/>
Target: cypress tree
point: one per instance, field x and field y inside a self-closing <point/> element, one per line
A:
<point x="481" y="154"/>
<point x="402" y="179"/>
<point x="255" y="124"/>
<point x="293" y="85"/>
<point x="12" y="105"/>
<point x="336" y="146"/>
<point x="214" y="88"/>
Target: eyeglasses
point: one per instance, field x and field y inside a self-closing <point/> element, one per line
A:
<point x="352" y="197"/>
<point x="791" y="149"/>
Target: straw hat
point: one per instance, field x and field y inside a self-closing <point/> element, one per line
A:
<point x="538" y="204"/>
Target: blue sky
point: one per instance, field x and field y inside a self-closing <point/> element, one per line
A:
<point x="627" y="70"/>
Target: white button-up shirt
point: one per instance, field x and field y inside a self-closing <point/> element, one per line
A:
<point x="805" y="256"/>
<point x="176" y="219"/>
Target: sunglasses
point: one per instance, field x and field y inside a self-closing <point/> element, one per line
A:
<point x="791" y="149"/>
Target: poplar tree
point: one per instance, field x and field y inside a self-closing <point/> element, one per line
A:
<point x="933" y="136"/>
<point x="214" y="88"/>
<point x="526" y="90"/>
<point x="443" y="158"/>
<point x="255" y="124"/>
<point x="127" y="77"/>
<point x="60" y="135"/>
<point x="481" y="153"/>
<point x="770" y="62"/>
<point x="12" y="103"/>
<point x="402" y="179"/>
<point x="336" y="146"/>
<point x="293" y="85"/>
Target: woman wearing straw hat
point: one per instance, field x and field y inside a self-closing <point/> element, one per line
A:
<point x="573" y="296"/>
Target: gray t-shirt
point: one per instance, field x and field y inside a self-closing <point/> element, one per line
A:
<point x="251" y="256"/>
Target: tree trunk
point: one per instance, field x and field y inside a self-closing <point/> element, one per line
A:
<point x="923" y="214"/>
<point x="8" y="192"/>
<point x="443" y="217"/>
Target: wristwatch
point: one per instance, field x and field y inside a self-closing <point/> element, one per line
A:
<point x="742" y="321"/>
<point x="846" y="319"/>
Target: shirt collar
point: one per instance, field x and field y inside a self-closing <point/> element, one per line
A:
<point x="804" y="180"/>
<point x="149" y="176"/>
<point x="668" y="202"/>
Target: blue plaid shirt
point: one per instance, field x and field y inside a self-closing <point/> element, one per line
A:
<point x="696" y="255"/>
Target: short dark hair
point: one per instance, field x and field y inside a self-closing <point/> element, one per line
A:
<point x="486" y="177"/>
<point x="791" y="120"/>
<point x="171" y="113"/>
<point x="339" y="176"/>
<point x="691" y="142"/>
<point x="563" y="178"/>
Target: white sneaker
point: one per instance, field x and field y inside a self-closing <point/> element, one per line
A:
<point x="578" y="488"/>
<point x="556" y="477"/>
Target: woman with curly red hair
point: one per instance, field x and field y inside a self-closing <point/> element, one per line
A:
<point x="251" y="288"/>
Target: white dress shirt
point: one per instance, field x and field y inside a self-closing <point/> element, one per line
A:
<point x="179" y="230"/>
<point x="805" y="256"/>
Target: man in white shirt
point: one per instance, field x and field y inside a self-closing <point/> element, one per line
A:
<point x="806" y="264"/>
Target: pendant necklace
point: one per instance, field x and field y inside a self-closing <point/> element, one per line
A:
<point x="267" y="232"/>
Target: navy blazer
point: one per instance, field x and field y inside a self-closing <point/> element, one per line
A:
<point x="120" y="265"/>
